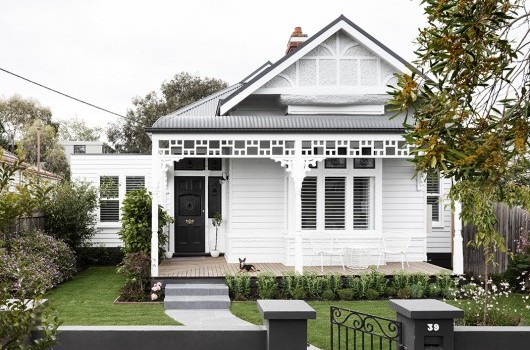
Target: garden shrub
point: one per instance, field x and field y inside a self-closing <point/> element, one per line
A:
<point x="404" y="293"/>
<point x="328" y="295"/>
<point x="294" y="286"/>
<point x="35" y="262"/>
<point x="267" y="286"/>
<point x="417" y="291"/>
<point x="372" y="294"/>
<point x="345" y="294"/>
<point x="315" y="285"/>
<point x="390" y="291"/>
<point x="433" y="290"/>
<point x="70" y="213"/>
<point x="136" y="267"/>
<point x="238" y="286"/>
<point x="22" y="318"/>
<point x="354" y="283"/>
<point x="136" y="223"/>
<point x="401" y="280"/>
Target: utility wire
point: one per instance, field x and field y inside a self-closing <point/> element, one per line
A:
<point x="69" y="96"/>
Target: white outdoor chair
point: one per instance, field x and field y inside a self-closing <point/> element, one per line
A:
<point x="325" y="245"/>
<point x="394" y="243"/>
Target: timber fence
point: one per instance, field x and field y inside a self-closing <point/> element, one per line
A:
<point x="510" y="223"/>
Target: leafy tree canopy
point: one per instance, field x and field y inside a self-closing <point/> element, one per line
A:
<point x="129" y="136"/>
<point x="53" y="157"/>
<point x="16" y="113"/>
<point x="74" y="129"/>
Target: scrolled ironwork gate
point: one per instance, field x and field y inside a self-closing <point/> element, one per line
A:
<point x="359" y="331"/>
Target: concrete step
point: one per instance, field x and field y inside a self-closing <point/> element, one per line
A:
<point x="196" y="289"/>
<point x="191" y="302"/>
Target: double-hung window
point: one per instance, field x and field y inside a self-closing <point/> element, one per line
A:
<point x="434" y="197"/>
<point x="109" y="199"/>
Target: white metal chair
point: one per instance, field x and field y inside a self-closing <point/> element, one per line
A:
<point x="394" y="243"/>
<point x="325" y="245"/>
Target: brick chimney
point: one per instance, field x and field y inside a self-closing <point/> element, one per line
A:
<point x="296" y="39"/>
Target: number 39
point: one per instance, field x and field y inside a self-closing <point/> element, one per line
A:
<point x="433" y="327"/>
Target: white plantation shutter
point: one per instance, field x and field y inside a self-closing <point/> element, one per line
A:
<point x="362" y="203"/>
<point x="335" y="203"/>
<point x="309" y="203"/>
<point x="433" y="195"/>
<point x="134" y="183"/>
<point x="109" y="204"/>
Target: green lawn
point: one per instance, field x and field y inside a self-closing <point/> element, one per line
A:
<point x="88" y="300"/>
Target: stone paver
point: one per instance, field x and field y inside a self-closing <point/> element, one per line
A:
<point x="211" y="319"/>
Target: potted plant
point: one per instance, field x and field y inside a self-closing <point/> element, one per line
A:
<point x="168" y="254"/>
<point x="217" y="220"/>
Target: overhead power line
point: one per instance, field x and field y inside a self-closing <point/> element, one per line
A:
<point x="66" y="95"/>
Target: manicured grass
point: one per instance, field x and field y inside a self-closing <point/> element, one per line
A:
<point x="318" y="329"/>
<point x="88" y="300"/>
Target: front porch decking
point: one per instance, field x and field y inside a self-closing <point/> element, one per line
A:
<point x="206" y="267"/>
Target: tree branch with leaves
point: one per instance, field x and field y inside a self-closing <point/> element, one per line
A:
<point x="468" y="108"/>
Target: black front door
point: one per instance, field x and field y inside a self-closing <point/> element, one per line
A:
<point x="189" y="214"/>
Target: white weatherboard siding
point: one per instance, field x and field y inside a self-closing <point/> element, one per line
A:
<point x="404" y="206"/>
<point x="257" y="211"/>
<point x="89" y="167"/>
<point x="439" y="240"/>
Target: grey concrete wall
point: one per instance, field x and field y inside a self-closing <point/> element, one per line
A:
<point x="160" y="338"/>
<point x="492" y="338"/>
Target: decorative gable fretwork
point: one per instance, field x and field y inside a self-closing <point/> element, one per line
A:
<point x="274" y="148"/>
<point x="338" y="61"/>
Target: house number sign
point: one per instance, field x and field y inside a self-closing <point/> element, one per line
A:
<point x="433" y="327"/>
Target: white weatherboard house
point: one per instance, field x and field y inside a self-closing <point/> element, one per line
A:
<point x="302" y="146"/>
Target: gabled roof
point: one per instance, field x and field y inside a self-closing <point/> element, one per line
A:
<point x="340" y="23"/>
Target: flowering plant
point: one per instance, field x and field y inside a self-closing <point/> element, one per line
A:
<point x="157" y="291"/>
<point x="501" y="311"/>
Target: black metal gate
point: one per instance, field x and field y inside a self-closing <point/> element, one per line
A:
<point x="358" y="331"/>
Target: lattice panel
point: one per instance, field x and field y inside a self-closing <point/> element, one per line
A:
<point x="226" y="147"/>
<point x="347" y="148"/>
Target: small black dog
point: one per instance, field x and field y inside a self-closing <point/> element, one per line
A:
<point x="246" y="267"/>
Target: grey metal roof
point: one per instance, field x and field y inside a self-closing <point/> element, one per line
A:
<point x="288" y="123"/>
<point x="205" y="106"/>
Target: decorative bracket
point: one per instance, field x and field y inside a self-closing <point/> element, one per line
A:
<point x="298" y="168"/>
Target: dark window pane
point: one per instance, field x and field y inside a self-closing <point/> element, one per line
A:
<point x="214" y="195"/>
<point x="339" y="163"/>
<point x="109" y="211"/>
<point x="215" y="164"/>
<point x="190" y="164"/>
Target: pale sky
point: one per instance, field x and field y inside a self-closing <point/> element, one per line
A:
<point x="106" y="52"/>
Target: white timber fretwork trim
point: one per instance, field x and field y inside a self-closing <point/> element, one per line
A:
<point x="376" y="146"/>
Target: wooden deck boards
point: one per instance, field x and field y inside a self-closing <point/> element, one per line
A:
<point x="197" y="267"/>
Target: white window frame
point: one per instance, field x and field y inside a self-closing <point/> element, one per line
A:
<point x="349" y="173"/>
<point x="119" y="199"/>
<point x="440" y="222"/>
